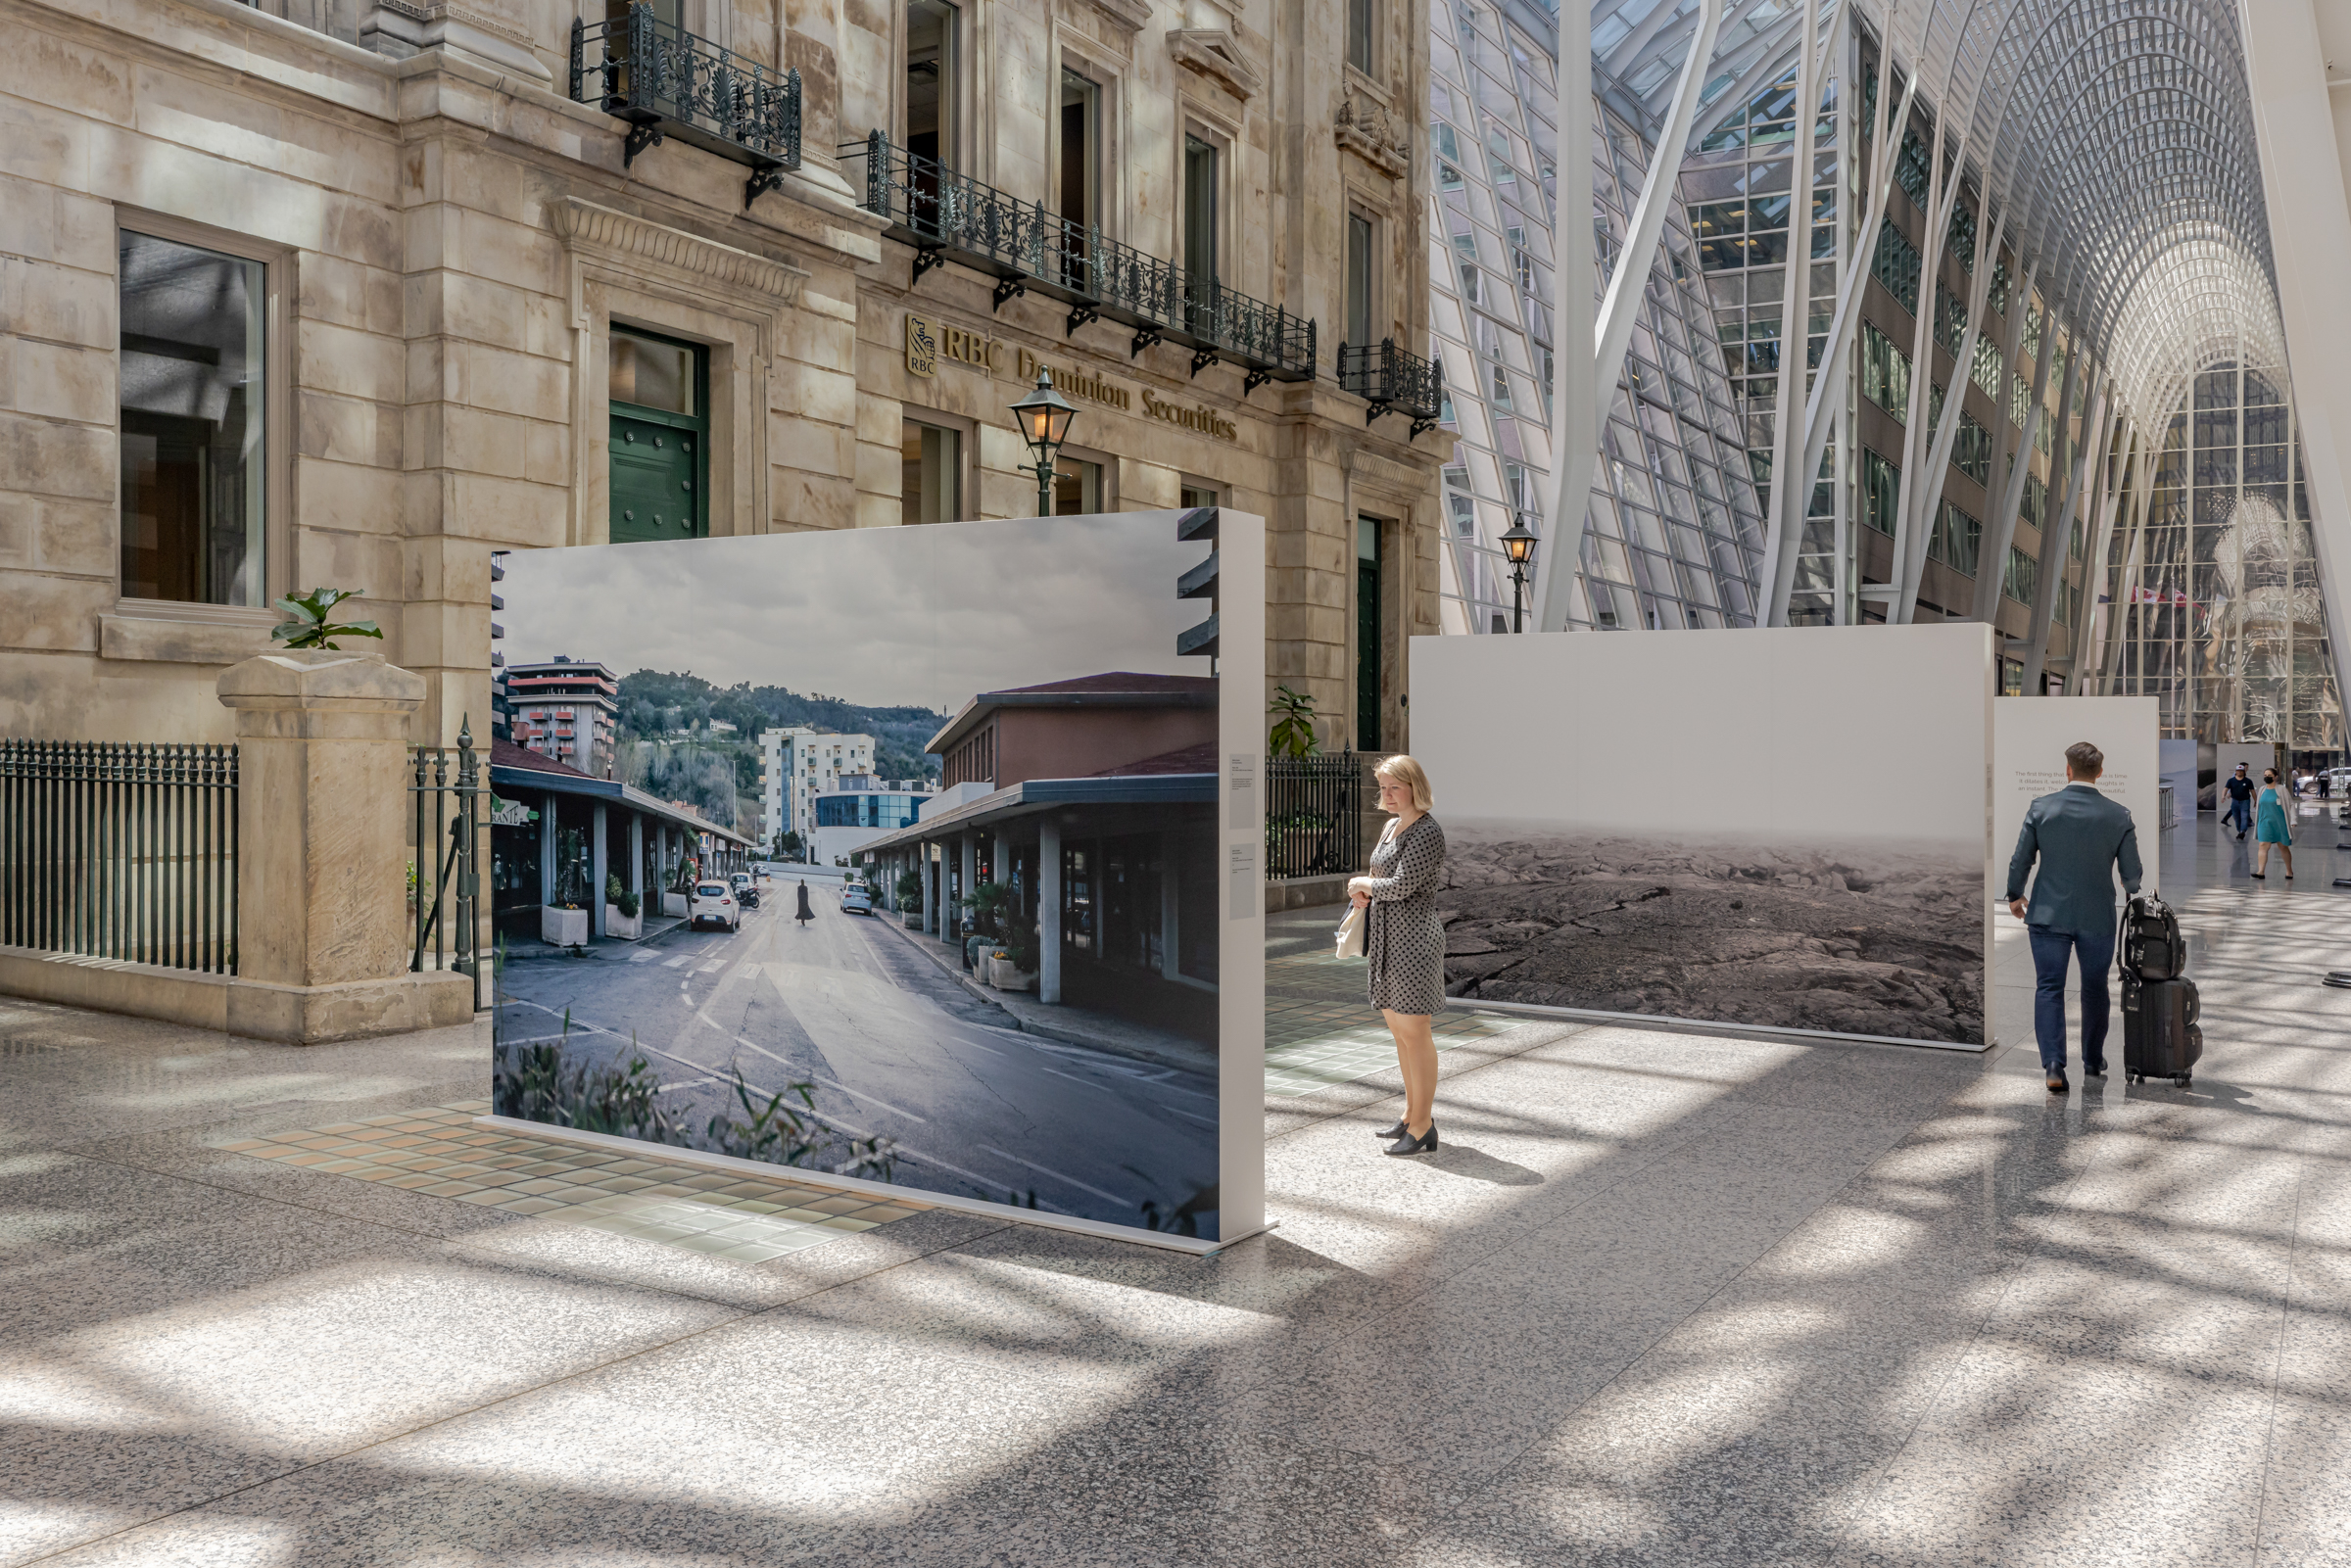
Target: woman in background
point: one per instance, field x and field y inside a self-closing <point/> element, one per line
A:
<point x="1404" y="944"/>
<point x="2269" y="828"/>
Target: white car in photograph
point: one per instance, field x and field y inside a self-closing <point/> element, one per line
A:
<point x="715" y="902"/>
<point x="856" y="899"/>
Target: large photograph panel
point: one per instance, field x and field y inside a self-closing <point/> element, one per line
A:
<point x="906" y="846"/>
<point x="1782" y="828"/>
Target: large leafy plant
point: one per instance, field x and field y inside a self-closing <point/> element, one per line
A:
<point x="1293" y="734"/>
<point x="307" y="626"/>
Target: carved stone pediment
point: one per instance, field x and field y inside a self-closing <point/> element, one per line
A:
<point x="588" y="228"/>
<point x="1132" y="15"/>
<point x="1374" y="136"/>
<point x="1213" y="53"/>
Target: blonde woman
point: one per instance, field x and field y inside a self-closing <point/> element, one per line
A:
<point x="1405" y="943"/>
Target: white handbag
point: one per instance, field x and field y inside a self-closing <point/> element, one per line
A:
<point x="1351" y="933"/>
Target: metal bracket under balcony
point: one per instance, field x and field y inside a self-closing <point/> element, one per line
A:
<point x="1393" y="380"/>
<point x="1027" y="250"/>
<point x="665" y="81"/>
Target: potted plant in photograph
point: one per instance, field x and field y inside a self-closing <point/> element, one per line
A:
<point x="1014" y="964"/>
<point x="910" y="899"/>
<point x="620" y="911"/>
<point x="565" y="923"/>
<point x="681" y="890"/>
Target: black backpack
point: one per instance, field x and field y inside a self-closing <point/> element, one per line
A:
<point x="2152" y="948"/>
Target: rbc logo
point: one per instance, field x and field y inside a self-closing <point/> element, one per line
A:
<point x="922" y="346"/>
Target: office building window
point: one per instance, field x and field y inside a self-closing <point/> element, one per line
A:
<point x="1200" y="493"/>
<point x="1080" y="147"/>
<point x="1958" y="539"/>
<point x="1359" y="278"/>
<point x="930" y="484"/>
<point x="194" y="453"/>
<point x="1881" y="486"/>
<point x="1076" y="487"/>
<point x="1358" y="34"/>
<point x="1885" y="372"/>
<point x="660" y="392"/>
<point x="931" y="71"/>
<point x="1199" y="208"/>
<point x="2024" y="576"/>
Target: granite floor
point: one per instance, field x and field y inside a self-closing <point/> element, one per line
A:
<point x="1662" y="1299"/>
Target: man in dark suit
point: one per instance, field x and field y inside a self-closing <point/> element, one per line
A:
<point x="2080" y="839"/>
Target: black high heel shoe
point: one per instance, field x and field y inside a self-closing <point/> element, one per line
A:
<point x="1391" y="1134"/>
<point x="1426" y="1143"/>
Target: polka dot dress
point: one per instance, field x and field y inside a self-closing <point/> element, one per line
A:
<point x="1406" y="945"/>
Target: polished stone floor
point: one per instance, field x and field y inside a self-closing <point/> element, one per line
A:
<point x="1662" y="1299"/>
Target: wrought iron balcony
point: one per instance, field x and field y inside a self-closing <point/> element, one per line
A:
<point x="1393" y="380"/>
<point x="665" y="81"/>
<point x="948" y="217"/>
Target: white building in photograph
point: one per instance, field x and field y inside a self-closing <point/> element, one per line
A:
<point x="796" y="764"/>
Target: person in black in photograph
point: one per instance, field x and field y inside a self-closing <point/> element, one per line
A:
<point x="2240" y="800"/>
<point x="804" y="914"/>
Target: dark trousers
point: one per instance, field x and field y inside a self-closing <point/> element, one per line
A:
<point x="2241" y="813"/>
<point x="2051" y="949"/>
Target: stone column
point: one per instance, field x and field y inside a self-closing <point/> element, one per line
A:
<point x="929" y="903"/>
<point x="637" y="859"/>
<point x="597" y="873"/>
<point x="1170" y="962"/>
<point x="970" y="862"/>
<point x="321" y="799"/>
<point x="547" y="849"/>
<point x="1048" y="911"/>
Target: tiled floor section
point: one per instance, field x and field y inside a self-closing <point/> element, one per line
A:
<point x="440" y="1153"/>
<point x="1319" y="1031"/>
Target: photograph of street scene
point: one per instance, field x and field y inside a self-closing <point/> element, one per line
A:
<point x="884" y="853"/>
<point x="1854" y="937"/>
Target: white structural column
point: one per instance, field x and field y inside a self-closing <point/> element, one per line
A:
<point x="1919" y="502"/>
<point x="1789" y="505"/>
<point x="2057" y="537"/>
<point x="1992" y="561"/>
<point x="1909" y="543"/>
<point x="596" y="870"/>
<point x="1821" y="408"/>
<point x="1576" y="403"/>
<point x="2090" y="637"/>
<point x="1628" y="285"/>
<point x="2303" y="123"/>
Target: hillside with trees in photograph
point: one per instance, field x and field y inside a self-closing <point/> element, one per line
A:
<point x="683" y="738"/>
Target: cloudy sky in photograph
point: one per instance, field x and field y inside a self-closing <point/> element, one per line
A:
<point x="879" y="616"/>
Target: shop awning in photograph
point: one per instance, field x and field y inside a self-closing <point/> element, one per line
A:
<point x="514" y="769"/>
<point x="1043" y="794"/>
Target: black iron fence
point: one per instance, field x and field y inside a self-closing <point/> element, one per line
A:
<point x="666" y="81"/>
<point x="121" y="850"/>
<point x="452" y="814"/>
<point x="1393" y="380"/>
<point x="1313" y="816"/>
<point x="950" y="216"/>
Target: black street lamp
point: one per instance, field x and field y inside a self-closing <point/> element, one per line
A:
<point x="1044" y="417"/>
<point x="1521" y="546"/>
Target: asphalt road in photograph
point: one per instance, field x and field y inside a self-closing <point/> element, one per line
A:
<point x="892" y="1047"/>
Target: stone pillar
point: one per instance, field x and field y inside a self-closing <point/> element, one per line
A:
<point x="1049" y="909"/>
<point x="930" y="899"/>
<point x="547" y="849"/>
<point x="596" y="862"/>
<point x="970" y="860"/>
<point x="637" y="859"/>
<point x="322" y="794"/>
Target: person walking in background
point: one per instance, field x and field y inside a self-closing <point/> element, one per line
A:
<point x="804" y="914"/>
<point x="2272" y="829"/>
<point x="1405" y="943"/>
<point x="2080" y="839"/>
<point x="2240" y="800"/>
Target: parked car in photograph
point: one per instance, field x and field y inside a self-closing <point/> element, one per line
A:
<point x="856" y="899"/>
<point x="715" y="902"/>
<point x="747" y="890"/>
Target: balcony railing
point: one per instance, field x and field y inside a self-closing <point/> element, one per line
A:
<point x="1393" y="380"/>
<point x="665" y="81"/>
<point x="948" y="217"/>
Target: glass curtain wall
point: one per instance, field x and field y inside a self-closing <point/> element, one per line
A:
<point x="1674" y="529"/>
<point x="2215" y="603"/>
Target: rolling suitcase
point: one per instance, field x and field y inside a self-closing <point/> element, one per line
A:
<point x="2152" y="948"/>
<point x="2161" y="1038"/>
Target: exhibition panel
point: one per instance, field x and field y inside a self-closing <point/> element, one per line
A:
<point x="1014" y="964"/>
<point x="2029" y="737"/>
<point x="1693" y="828"/>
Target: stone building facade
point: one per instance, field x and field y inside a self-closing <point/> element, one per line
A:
<point x="354" y="293"/>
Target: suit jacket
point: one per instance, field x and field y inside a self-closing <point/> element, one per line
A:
<point x="2080" y="837"/>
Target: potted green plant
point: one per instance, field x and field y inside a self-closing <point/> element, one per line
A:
<point x="1014" y="965"/>
<point x="910" y="899"/>
<point x="620" y="911"/>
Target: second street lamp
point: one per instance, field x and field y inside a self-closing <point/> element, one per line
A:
<point x="1045" y="421"/>
<point x="1520" y="545"/>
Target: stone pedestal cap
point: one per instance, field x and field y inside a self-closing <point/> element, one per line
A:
<point x="306" y="678"/>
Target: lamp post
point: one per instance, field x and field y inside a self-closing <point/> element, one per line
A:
<point x="1519" y="544"/>
<point x="1044" y="419"/>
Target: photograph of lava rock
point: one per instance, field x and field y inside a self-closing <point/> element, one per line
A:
<point x="1852" y="937"/>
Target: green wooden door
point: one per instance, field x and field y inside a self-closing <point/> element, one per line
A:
<point x="656" y="481"/>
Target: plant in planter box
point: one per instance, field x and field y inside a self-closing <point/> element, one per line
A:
<point x="620" y="899"/>
<point x="910" y="890"/>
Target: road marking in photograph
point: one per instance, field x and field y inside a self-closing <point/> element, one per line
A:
<point x="673" y="963"/>
<point x="687" y="1083"/>
<point x="647" y="955"/>
<point x="1048" y="1171"/>
<point x="713" y="967"/>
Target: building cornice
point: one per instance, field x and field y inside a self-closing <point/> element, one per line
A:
<point x="1211" y="52"/>
<point x="588" y="228"/>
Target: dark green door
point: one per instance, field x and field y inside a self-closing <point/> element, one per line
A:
<point x="1366" y="634"/>
<point x="660" y="466"/>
